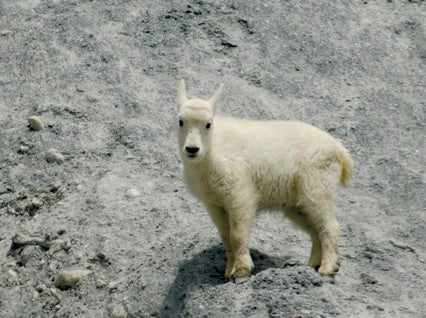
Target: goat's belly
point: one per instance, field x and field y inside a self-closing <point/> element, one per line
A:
<point x="273" y="193"/>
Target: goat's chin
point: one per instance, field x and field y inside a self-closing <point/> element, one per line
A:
<point x="192" y="159"/>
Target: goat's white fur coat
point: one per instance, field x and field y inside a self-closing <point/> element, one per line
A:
<point x="239" y="167"/>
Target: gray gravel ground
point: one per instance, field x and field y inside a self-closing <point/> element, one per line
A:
<point x="102" y="76"/>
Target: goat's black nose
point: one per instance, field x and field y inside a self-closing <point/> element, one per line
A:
<point x="192" y="150"/>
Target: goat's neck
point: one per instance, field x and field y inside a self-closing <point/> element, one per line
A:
<point x="202" y="167"/>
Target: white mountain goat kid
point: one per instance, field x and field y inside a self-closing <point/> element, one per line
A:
<point x="240" y="167"/>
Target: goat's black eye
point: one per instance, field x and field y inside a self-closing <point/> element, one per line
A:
<point x="208" y="125"/>
<point x="180" y="123"/>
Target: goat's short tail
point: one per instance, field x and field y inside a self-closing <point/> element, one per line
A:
<point x="346" y="163"/>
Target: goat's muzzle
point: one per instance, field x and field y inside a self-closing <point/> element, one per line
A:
<point x="192" y="151"/>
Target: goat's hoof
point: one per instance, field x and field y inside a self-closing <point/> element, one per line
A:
<point x="315" y="265"/>
<point x="241" y="272"/>
<point x="328" y="270"/>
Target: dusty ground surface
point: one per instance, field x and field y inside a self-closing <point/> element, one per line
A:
<point x="102" y="76"/>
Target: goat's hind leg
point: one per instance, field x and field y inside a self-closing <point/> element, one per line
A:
<point x="316" y="200"/>
<point x="327" y="228"/>
<point x="300" y="219"/>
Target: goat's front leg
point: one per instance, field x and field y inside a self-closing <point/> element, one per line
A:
<point x="220" y="219"/>
<point x="240" y="224"/>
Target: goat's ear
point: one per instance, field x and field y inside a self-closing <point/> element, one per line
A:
<point x="214" y="100"/>
<point x="182" y="93"/>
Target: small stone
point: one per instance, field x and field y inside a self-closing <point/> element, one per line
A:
<point x="132" y="193"/>
<point x="12" y="273"/>
<point x="92" y="98"/>
<point x="68" y="278"/>
<point x="26" y="254"/>
<point x="228" y="44"/>
<point x="59" y="245"/>
<point x="53" y="292"/>
<point x="23" y="149"/>
<point x="375" y="307"/>
<point x="35" y="295"/>
<point x="52" y="268"/>
<point x="41" y="288"/>
<point x="112" y="286"/>
<point x="5" y="245"/>
<point x="62" y="191"/>
<point x="241" y="280"/>
<point x="35" y="123"/>
<point x="5" y="32"/>
<point x="53" y="155"/>
<point x="117" y="311"/>
<point x="13" y="277"/>
<point x="36" y="203"/>
<point x="82" y="88"/>
<point x="55" y="186"/>
<point x="100" y="283"/>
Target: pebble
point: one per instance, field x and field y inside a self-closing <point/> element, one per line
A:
<point x="53" y="292"/>
<point x="13" y="277"/>
<point x="92" y="98"/>
<point x="5" y="32"/>
<point x="117" y="311"/>
<point x="241" y="280"/>
<point x="82" y="88"/>
<point x="53" y="155"/>
<point x="55" y="186"/>
<point x="59" y="245"/>
<point x="100" y="283"/>
<point x="133" y="193"/>
<point x="68" y="278"/>
<point x="41" y="288"/>
<point x="23" y="149"/>
<point x="5" y="245"/>
<point x="12" y="273"/>
<point x="113" y="286"/>
<point x="26" y="254"/>
<point x="36" y="203"/>
<point x="35" y="123"/>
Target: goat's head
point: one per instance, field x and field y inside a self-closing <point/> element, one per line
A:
<point x="195" y="124"/>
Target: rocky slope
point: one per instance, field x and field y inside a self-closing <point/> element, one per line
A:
<point x="109" y="230"/>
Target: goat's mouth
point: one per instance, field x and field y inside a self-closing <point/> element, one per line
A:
<point x="191" y="155"/>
